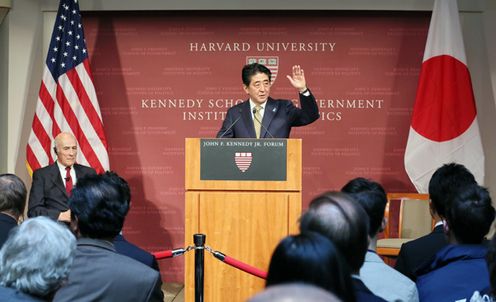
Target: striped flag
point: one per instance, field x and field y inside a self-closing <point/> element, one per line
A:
<point x="67" y="99"/>
<point x="444" y="125"/>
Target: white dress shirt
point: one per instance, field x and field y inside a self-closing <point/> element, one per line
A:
<point x="63" y="172"/>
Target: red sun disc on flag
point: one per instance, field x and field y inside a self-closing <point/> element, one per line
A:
<point x="445" y="106"/>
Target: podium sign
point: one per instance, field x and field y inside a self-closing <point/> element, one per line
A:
<point x="243" y="159"/>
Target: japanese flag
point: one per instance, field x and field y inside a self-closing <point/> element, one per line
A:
<point x="444" y="124"/>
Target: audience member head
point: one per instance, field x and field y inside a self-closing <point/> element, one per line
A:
<point x="99" y="205"/>
<point x="372" y="197"/>
<point x="342" y="220"/>
<point x="12" y="195"/>
<point x="360" y="184"/>
<point x="374" y="204"/>
<point x="37" y="257"/>
<point x="121" y="183"/>
<point x="294" y="292"/>
<point x="312" y="259"/>
<point x="249" y="70"/>
<point x="470" y="215"/>
<point x="444" y="182"/>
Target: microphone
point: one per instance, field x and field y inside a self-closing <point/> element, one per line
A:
<point x="256" y="118"/>
<point x="67" y="178"/>
<point x="232" y="125"/>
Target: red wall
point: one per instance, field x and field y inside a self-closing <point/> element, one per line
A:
<point x="164" y="76"/>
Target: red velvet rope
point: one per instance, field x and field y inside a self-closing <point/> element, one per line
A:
<point x="245" y="267"/>
<point x="226" y="259"/>
<point x="163" y="254"/>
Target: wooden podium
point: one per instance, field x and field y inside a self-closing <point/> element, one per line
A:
<point x="244" y="219"/>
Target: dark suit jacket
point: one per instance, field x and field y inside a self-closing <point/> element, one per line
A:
<point x="7" y="223"/>
<point x="48" y="196"/>
<point x="99" y="273"/>
<point x="279" y="117"/>
<point x="416" y="252"/>
<point x="126" y="248"/>
<point x="454" y="273"/>
<point x="363" y="293"/>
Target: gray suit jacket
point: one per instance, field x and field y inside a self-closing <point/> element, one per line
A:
<point x="386" y="282"/>
<point x="100" y="274"/>
<point x="48" y="196"/>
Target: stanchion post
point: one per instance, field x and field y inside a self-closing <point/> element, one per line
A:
<point x="199" y="240"/>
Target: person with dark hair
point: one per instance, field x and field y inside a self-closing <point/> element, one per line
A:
<point x="379" y="277"/>
<point x="360" y="184"/>
<point x="442" y="186"/>
<point x="12" y="203"/>
<point x="52" y="184"/>
<point x="459" y="269"/>
<point x="312" y="259"/>
<point x="98" y="208"/>
<point x="264" y="117"/>
<point x="342" y="220"/>
<point x="35" y="260"/>
<point x="122" y="246"/>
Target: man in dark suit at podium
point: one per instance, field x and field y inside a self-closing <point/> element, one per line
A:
<point x="52" y="184"/>
<point x="264" y="117"/>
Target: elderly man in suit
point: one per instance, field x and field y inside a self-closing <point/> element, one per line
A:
<point x="52" y="184"/>
<point x="263" y="117"/>
<point x="98" y="209"/>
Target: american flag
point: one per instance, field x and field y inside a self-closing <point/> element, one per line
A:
<point x="67" y="99"/>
